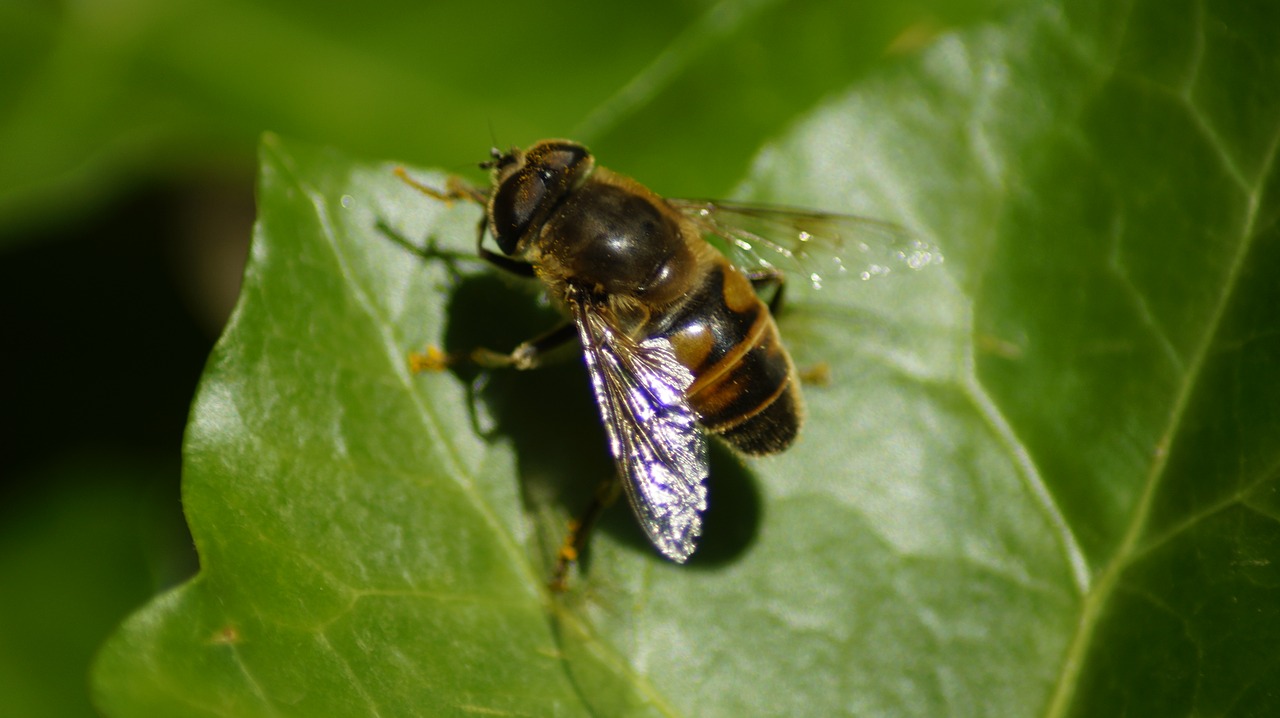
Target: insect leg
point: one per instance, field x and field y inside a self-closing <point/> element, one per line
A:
<point x="575" y="541"/>
<point x="459" y="189"/>
<point x="766" y="277"/>
<point x="455" y="189"/>
<point x="528" y="355"/>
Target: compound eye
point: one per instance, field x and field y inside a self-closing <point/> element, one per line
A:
<point x="529" y="194"/>
<point x="516" y="203"/>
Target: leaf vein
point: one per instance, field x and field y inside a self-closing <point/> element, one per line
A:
<point x="1129" y="547"/>
<point x="350" y="673"/>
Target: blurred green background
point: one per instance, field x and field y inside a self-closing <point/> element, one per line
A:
<point x="128" y="131"/>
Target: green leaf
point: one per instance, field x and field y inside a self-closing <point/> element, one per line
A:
<point x="1041" y="480"/>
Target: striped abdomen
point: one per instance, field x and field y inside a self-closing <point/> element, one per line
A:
<point x="744" y="386"/>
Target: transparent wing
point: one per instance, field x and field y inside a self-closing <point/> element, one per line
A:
<point x="659" y="450"/>
<point x="816" y="245"/>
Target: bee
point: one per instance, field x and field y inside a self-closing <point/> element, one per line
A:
<point x="677" y="341"/>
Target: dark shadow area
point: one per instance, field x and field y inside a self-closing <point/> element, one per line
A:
<point x="102" y="352"/>
<point x="730" y="523"/>
<point x="733" y="514"/>
<point x="105" y="341"/>
<point x="94" y="355"/>
<point x="549" y="414"/>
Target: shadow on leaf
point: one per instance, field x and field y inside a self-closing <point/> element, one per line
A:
<point x="550" y="417"/>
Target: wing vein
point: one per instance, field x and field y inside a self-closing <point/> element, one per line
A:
<point x="657" y="446"/>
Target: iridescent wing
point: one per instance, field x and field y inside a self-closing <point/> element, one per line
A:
<point x="660" y="452"/>
<point x="815" y="245"/>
